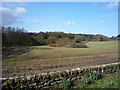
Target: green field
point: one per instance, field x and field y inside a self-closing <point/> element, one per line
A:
<point x="58" y="53"/>
<point x="107" y="81"/>
<point x="45" y="58"/>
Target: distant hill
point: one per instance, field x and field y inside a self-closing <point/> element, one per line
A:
<point x="102" y="36"/>
<point x="20" y="37"/>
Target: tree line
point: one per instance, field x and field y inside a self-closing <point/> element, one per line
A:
<point x="16" y="37"/>
<point x="20" y="37"/>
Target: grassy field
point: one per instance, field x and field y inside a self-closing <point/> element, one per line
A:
<point x="107" y="81"/>
<point x="45" y="58"/>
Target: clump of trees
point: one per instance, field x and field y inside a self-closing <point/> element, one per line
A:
<point x="16" y="37"/>
<point x="20" y="37"/>
<point x="79" y="39"/>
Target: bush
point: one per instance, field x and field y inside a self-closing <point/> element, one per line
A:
<point x="51" y="40"/>
<point x="57" y="44"/>
<point x="78" y="45"/>
<point x="65" y="40"/>
<point x="94" y="75"/>
<point x="85" y="80"/>
<point x="69" y="45"/>
<point x="79" y="39"/>
<point x="65" y="83"/>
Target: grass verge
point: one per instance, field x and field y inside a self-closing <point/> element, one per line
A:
<point x="107" y="81"/>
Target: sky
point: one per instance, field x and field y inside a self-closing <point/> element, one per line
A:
<point x="68" y="17"/>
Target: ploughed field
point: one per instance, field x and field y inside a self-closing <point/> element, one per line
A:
<point x="41" y="59"/>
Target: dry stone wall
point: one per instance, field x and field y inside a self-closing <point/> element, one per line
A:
<point x="52" y="78"/>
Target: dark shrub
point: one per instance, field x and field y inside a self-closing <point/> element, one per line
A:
<point x="62" y="44"/>
<point x="69" y="45"/>
<point x="78" y="45"/>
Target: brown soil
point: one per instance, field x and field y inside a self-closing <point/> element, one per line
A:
<point x="19" y="68"/>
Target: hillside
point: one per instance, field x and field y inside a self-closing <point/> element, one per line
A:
<point x="102" y="36"/>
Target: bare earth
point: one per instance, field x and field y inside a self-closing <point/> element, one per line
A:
<point x="47" y="59"/>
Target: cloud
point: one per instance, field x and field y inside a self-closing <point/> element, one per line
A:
<point x="112" y="4"/>
<point x="102" y="21"/>
<point x="5" y="9"/>
<point x="19" y="10"/>
<point x="35" y="21"/>
<point x="10" y="16"/>
<point x="69" y="22"/>
<point x="13" y="4"/>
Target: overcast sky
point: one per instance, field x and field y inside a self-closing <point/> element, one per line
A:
<point x="77" y="17"/>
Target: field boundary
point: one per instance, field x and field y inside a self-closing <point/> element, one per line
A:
<point x="52" y="78"/>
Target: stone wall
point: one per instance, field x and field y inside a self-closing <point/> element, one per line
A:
<point x="52" y="78"/>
